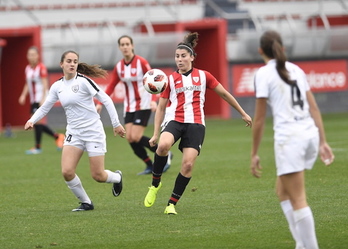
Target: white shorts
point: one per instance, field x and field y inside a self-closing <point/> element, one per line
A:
<point x="94" y="144"/>
<point x="296" y="154"/>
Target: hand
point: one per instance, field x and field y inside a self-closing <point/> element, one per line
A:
<point x="28" y="126"/>
<point x="153" y="141"/>
<point x="326" y="154"/>
<point x="21" y="100"/>
<point x="255" y="166"/>
<point x="99" y="108"/>
<point x="247" y="119"/>
<point x="119" y="130"/>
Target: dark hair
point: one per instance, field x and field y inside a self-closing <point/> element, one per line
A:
<point x="86" y="69"/>
<point x="272" y="46"/>
<point x="124" y="36"/>
<point x="189" y="42"/>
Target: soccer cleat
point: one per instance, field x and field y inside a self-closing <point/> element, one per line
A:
<point x="170" y="209"/>
<point x="145" y="172"/>
<point x="84" y="207"/>
<point x="169" y="161"/>
<point x="117" y="187"/>
<point x="150" y="197"/>
<point x="60" y="141"/>
<point x="33" y="151"/>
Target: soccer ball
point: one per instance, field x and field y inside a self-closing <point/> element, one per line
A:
<point x="155" y="81"/>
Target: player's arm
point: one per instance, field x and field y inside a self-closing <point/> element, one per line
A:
<point x="225" y="95"/>
<point x="109" y="88"/>
<point x="44" y="81"/>
<point x="24" y="94"/>
<point x="326" y="154"/>
<point x="51" y="99"/>
<point x="257" y="133"/>
<point x="159" y="116"/>
<point x="110" y="107"/>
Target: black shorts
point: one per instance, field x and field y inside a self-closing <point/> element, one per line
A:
<point x="34" y="107"/>
<point x="192" y="135"/>
<point x="138" y="117"/>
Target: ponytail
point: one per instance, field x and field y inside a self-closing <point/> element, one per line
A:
<point x="91" y="70"/>
<point x="272" y="46"/>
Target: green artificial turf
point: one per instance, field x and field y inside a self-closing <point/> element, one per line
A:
<point x="222" y="207"/>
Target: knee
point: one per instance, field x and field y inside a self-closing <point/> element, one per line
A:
<point x="186" y="169"/>
<point x="133" y="138"/>
<point x="68" y="174"/>
<point x="163" y="149"/>
<point x="99" y="176"/>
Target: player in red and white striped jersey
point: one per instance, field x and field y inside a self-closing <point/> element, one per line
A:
<point x="37" y="87"/>
<point x="138" y="103"/>
<point x="180" y="111"/>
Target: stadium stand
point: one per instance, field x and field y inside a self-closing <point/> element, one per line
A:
<point x="86" y="23"/>
<point x="312" y="29"/>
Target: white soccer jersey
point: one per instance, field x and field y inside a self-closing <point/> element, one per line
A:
<point x="33" y="78"/>
<point x="288" y="103"/>
<point x="76" y="96"/>
<point x="131" y="75"/>
<point x="186" y="96"/>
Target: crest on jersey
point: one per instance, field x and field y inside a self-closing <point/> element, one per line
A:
<point x="195" y="79"/>
<point x="75" y="88"/>
<point x="133" y="70"/>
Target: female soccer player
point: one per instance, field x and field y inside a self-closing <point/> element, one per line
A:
<point x="298" y="134"/>
<point x="84" y="131"/>
<point x="138" y="103"/>
<point x="180" y="108"/>
<point x="37" y="87"/>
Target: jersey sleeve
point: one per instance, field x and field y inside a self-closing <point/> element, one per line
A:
<point x="145" y="66"/>
<point x="303" y="77"/>
<point x="110" y="107"/>
<point x="166" y="93"/>
<point x="50" y="100"/>
<point x="212" y="82"/>
<point x="261" y="85"/>
<point x="113" y="82"/>
<point x="90" y="86"/>
<point x="43" y="71"/>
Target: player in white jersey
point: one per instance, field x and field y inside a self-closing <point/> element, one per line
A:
<point x="37" y="87"/>
<point x="84" y="131"/>
<point x="298" y="134"/>
<point x="138" y="103"/>
<point x="180" y="109"/>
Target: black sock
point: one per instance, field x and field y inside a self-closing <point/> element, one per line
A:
<point x="179" y="188"/>
<point x="145" y="142"/>
<point x="38" y="134"/>
<point x="140" y="151"/>
<point x="158" y="165"/>
<point x="48" y="131"/>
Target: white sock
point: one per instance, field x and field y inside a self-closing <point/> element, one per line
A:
<point x="289" y="214"/>
<point x="112" y="177"/>
<point x="76" y="187"/>
<point x="305" y="226"/>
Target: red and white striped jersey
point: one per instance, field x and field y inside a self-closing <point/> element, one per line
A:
<point x="131" y="75"/>
<point x="33" y="78"/>
<point x="186" y="96"/>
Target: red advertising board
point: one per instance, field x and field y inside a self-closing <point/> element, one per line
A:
<point x="322" y="76"/>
